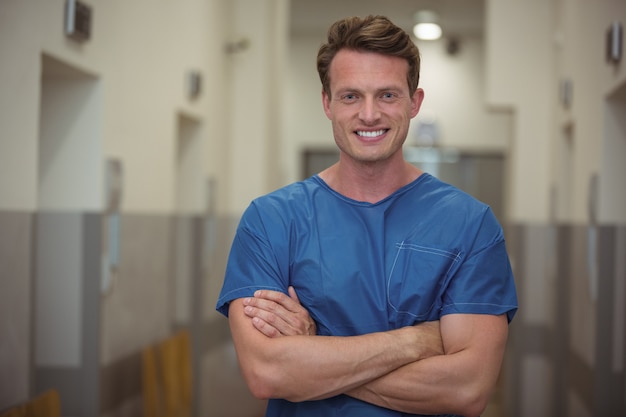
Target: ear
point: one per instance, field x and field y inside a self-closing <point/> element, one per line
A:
<point x="416" y="102"/>
<point x="326" y="104"/>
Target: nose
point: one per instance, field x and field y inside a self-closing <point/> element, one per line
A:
<point x="369" y="112"/>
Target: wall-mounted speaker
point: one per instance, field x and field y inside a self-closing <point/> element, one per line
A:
<point x="78" y="18"/>
<point x="614" y="40"/>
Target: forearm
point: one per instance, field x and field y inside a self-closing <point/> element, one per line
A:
<point x="300" y="368"/>
<point x="318" y="367"/>
<point x="430" y="386"/>
<point x="458" y="382"/>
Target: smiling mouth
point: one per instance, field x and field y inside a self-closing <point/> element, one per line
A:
<point x="371" y="134"/>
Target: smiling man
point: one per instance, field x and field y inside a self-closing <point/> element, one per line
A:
<point x="371" y="288"/>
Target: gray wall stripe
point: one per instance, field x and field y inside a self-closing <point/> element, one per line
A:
<point x="120" y="381"/>
<point x="79" y="386"/>
<point x="199" y="277"/>
<point x="93" y="389"/>
<point x="69" y="382"/>
<point x="92" y="256"/>
<point x="559" y="356"/>
<point x="515" y="240"/>
<point x="609" y="386"/>
<point x="580" y="381"/>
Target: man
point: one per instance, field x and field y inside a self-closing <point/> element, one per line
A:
<point x="372" y="288"/>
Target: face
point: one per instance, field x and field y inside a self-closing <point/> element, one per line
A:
<point x="370" y="106"/>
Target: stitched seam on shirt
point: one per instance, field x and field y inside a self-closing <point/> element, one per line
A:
<point x="418" y="248"/>
<point x="409" y="246"/>
<point x="258" y="287"/>
<point x="479" y="304"/>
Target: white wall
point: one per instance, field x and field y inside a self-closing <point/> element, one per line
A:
<point x="70" y="141"/>
<point x="141" y="55"/>
<point x="256" y="94"/>
<point x="612" y="206"/>
<point x="519" y="73"/>
<point x="531" y="47"/>
<point x="304" y="122"/>
<point x="19" y="103"/>
<point x="454" y="93"/>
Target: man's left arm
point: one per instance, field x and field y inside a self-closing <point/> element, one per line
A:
<point x="460" y="381"/>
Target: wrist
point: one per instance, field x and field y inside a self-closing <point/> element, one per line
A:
<point x="407" y="340"/>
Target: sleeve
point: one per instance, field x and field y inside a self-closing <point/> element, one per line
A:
<point x="252" y="263"/>
<point x="484" y="283"/>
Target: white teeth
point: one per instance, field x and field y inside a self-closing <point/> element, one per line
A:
<point x="370" y="134"/>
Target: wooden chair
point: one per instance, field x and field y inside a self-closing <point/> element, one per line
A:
<point x="185" y="372"/>
<point x="167" y="377"/>
<point x="46" y="404"/>
<point x="15" y="411"/>
<point x="176" y="368"/>
<point x="151" y="384"/>
<point x="169" y="368"/>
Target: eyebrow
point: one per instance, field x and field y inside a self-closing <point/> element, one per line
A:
<point x="358" y="90"/>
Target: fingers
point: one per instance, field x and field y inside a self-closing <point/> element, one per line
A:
<point x="265" y="328"/>
<point x="293" y="295"/>
<point x="282" y="300"/>
<point x="271" y="314"/>
<point x="276" y="314"/>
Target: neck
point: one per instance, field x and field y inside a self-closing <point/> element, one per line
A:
<point x="369" y="182"/>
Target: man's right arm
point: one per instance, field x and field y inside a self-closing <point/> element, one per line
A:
<point x="300" y="368"/>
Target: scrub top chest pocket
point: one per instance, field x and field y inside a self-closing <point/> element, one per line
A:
<point x="417" y="279"/>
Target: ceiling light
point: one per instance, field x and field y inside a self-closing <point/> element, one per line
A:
<point x="427" y="31"/>
<point x="426" y="26"/>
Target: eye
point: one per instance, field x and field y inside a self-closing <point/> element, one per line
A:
<point x="348" y="98"/>
<point x="388" y="96"/>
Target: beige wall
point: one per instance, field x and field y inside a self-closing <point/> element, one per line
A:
<point x="531" y="47"/>
<point x="254" y="163"/>
<point x="140" y="54"/>
<point x="519" y="70"/>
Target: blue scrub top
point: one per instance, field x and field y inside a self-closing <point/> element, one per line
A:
<point x="427" y="250"/>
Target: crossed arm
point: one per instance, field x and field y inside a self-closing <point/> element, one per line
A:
<point x="432" y="368"/>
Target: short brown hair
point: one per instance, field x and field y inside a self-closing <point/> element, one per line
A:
<point x="370" y="34"/>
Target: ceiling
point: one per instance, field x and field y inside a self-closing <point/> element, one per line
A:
<point x="458" y="18"/>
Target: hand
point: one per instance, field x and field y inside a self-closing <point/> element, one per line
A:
<point x="275" y="314"/>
